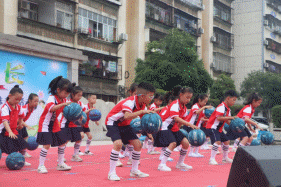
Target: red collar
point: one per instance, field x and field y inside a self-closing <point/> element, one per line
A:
<point x="10" y="106"/>
<point x="225" y="105"/>
<point x="58" y="100"/>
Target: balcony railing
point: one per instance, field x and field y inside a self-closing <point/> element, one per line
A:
<point x="103" y="71"/>
<point x="222" y="63"/>
<point x="158" y="14"/>
<point x="223" y="14"/>
<point x="224" y="41"/>
<point x="273" y="46"/>
<point x="193" y="3"/>
<point x="185" y="24"/>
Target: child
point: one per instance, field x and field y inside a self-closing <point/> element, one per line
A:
<point x="215" y="126"/>
<point x="75" y="133"/>
<point x="90" y="106"/>
<point x="119" y="129"/>
<point x="170" y="135"/>
<point x="194" y="116"/>
<point x="11" y="113"/>
<point x="49" y="132"/>
<point x="202" y="125"/>
<point x="158" y="100"/>
<point x="253" y="101"/>
<point x="30" y="106"/>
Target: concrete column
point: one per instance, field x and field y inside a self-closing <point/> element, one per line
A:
<point x="72" y="71"/>
<point x="207" y="24"/>
<point x="8" y="16"/>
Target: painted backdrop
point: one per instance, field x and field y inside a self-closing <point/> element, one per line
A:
<point x="33" y="74"/>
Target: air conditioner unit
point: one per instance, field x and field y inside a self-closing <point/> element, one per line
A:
<point x="212" y="65"/>
<point x="200" y="31"/>
<point x="266" y="42"/>
<point x="213" y="39"/>
<point x="193" y="25"/>
<point x="276" y="29"/>
<point x="203" y="7"/>
<point x="266" y="65"/>
<point x="123" y="37"/>
<point x="265" y="22"/>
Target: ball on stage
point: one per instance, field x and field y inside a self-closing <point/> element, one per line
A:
<point x="31" y="143"/>
<point x="136" y="125"/>
<point x="95" y="115"/>
<point x="184" y="132"/>
<point x="151" y="123"/>
<point x="81" y="121"/>
<point x="72" y="112"/>
<point x="196" y="137"/>
<point x="267" y="138"/>
<point x="226" y="127"/>
<point x="15" y="161"/>
<point x="237" y="125"/>
<point x="255" y="142"/>
<point x="209" y="112"/>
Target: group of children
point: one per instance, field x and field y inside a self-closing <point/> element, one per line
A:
<point x="55" y="130"/>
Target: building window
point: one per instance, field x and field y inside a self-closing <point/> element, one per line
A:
<point x="64" y="18"/>
<point x="222" y="13"/>
<point x="28" y="9"/>
<point x="222" y="62"/>
<point x="186" y="24"/>
<point x="157" y="13"/>
<point x="273" y="46"/>
<point x="224" y="40"/>
<point x="98" y="26"/>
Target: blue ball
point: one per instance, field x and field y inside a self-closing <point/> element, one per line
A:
<point x="31" y="143"/>
<point x="15" y="161"/>
<point x="142" y="138"/>
<point x="81" y="122"/>
<point x="196" y="137"/>
<point x="72" y="112"/>
<point x="226" y="127"/>
<point x="255" y="142"/>
<point x="151" y="123"/>
<point x="208" y="112"/>
<point x="136" y="125"/>
<point x="267" y="138"/>
<point x="185" y="133"/>
<point x="237" y="125"/>
<point x="95" y="115"/>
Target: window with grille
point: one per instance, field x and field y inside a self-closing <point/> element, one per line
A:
<point x="28" y="9"/>
<point x="64" y="17"/>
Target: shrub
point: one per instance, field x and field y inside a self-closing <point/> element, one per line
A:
<point x="276" y="115"/>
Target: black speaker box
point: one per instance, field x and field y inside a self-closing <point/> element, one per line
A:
<point x="256" y="166"/>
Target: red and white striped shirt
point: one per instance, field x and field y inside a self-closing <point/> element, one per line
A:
<point x="87" y="107"/>
<point x="192" y="116"/>
<point x="49" y="120"/>
<point x="221" y="110"/>
<point x="199" y="121"/>
<point x="174" y="109"/>
<point x="71" y="124"/>
<point x="11" y="115"/>
<point x="27" y="112"/>
<point x="246" y="111"/>
<point x="117" y="113"/>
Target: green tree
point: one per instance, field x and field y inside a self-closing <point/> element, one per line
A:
<point x="173" y="61"/>
<point x="220" y="86"/>
<point x="267" y="84"/>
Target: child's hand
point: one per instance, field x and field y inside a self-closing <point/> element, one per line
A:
<point x="97" y="123"/>
<point x="209" y="106"/>
<point x="30" y="128"/>
<point x="147" y="111"/>
<point x="194" y="127"/>
<point x="12" y="135"/>
<point x="67" y="103"/>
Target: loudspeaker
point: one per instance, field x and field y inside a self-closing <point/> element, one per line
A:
<point x="256" y="166"/>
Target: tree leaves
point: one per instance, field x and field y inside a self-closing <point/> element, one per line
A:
<point x="173" y="61"/>
<point x="220" y="86"/>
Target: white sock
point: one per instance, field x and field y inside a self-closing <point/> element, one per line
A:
<point x="214" y="151"/>
<point x="42" y="157"/>
<point x="248" y="144"/>
<point x="166" y="155"/>
<point x="196" y="149"/>
<point x="61" y="155"/>
<point x="236" y="142"/>
<point x="113" y="161"/>
<point x="88" y="142"/>
<point x="135" y="160"/>
<point x="191" y="149"/>
<point x="206" y="142"/>
<point x="162" y="152"/>
<point x="183" y="153"/>
<point x="76" y="148"/>
<point x="130" y="150"/>
<point x="242" y="145"/>
<point x="149" y="146"/>
<point x="225" y="150"/>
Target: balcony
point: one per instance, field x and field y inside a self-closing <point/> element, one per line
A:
<point x="46" y="20"/>
<point x="222" y="63"/>
<point x="101" y="69"/>
<point x="274" y="4"/>
<point x="272" y="67"/>
<point x="195" y="4"/>
<point x="186" y="23"/>
<point x="223" y="14"/>
<point x="158" y="14"/>
<point x="273" y="45"/>
<point x="224" y="39"/>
